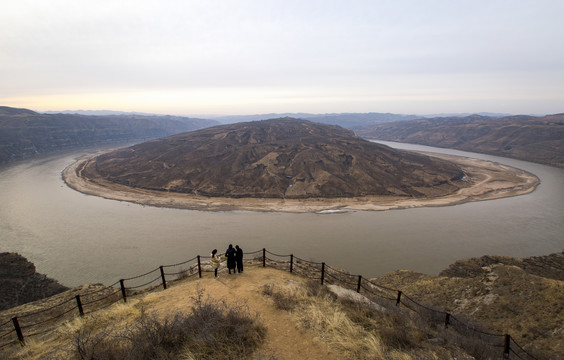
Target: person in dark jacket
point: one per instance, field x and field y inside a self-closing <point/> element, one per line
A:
<point x="239" y="259"/>
<point x="230" y="255"/>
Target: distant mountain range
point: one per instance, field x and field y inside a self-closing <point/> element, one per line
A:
<point x="536" y="139"/>
<point x="100" y="112"/>
<point x="25" y="133"/>
<point x="346" y="120"/>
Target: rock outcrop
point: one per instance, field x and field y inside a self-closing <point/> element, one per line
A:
<point x="20" y="284"/>
<point x="521" y="297"/>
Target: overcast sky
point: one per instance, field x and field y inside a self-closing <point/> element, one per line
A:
<point x="244" y="57"/>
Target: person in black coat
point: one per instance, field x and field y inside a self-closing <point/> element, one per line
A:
<point x="239" y="258"/>
<point x="230" y="255"/>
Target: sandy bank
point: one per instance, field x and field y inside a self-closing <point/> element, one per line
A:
<point x="487" y="181"/>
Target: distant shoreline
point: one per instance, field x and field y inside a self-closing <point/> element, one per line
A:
<point x="488" y="181"/>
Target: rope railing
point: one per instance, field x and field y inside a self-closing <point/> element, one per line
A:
<point x="473" y="329"/>
<point x="143" y="285"/>
<point x="182" y="272"/>
<point x="6" y="323"/>
<point x="273" y="254"/>
<point x="44" y="310"/>
<point x="306" y="268"/>
<point x="372" y="291"/>
<point x="9" y="343"/>
<point x="6" y="333"/>
<point x="253" y="252"/>
<point x="103" y="306"/>
<point x="102" y="298"/>
<point x="181" y="263"/>
<point x="48" y="320"/>
<point x="521" y="351"/>
<point x="140" y="276"/>
<point x="100" y="290"/>
<point x="307" y="261"/>
<point x="378" y="285"/>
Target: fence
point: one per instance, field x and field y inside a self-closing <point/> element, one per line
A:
<point x="35" y="323"/>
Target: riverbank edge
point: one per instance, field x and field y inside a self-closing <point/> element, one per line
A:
<point x="488" y="181"/>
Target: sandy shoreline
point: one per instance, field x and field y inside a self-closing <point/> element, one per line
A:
<point x="488" y="181"/>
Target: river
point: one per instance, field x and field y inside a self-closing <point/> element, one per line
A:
<point x="77" y="239"/>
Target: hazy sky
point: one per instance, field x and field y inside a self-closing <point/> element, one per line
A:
<point x="244" y="57"/>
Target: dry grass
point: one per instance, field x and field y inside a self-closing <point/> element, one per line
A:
<point x="211" y="330"/>
<point x="354" y="330"/>
<point x="304" y="319"/>
<point x="500" y="298"/>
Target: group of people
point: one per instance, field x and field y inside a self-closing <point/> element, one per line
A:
<point x="234" y="258"/>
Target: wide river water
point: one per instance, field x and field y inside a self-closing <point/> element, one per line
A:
<point x="77" y="239"/>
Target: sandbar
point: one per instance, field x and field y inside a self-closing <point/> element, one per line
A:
<point x="487" y="181"/>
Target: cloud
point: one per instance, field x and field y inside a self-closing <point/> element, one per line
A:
<point x="313" y="48"/>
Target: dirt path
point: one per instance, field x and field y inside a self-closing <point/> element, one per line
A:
<point x="283" y="339"/>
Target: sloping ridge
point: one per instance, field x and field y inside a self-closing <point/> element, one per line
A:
<point x="25" y="134"/>
<point x="279" y="158"/>
<point x="538" y="139"/>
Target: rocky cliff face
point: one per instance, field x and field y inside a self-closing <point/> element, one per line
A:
<point x="279" y="158"/>
<point x="20" y="284"/>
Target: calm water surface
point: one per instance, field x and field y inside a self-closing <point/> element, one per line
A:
<point x="78" y="239"/>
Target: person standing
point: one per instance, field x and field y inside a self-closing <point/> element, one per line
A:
<point x="215" y="262"/>
<point x="239" y="259"/>
<point x="230" y="255"/>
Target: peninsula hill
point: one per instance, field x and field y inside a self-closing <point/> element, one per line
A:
<point x="282" y="165"/>
<point x="281" y="158"/>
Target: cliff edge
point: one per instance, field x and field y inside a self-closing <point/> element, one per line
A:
<point x="20" y="284"/>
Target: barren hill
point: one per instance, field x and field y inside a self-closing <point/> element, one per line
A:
<point x="25" y="133"/>
<point x="280" y="158"/>
<point x="537" y="139"/>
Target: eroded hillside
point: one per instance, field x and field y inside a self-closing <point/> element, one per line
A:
<point x="537" y="139"/>
<point x="281" y="158"/>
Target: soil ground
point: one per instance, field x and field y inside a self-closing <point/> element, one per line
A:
<point x="283" y="339"/>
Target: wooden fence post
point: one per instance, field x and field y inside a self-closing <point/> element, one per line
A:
<point x="506" y="346"/>
<point x="322" y="272"/>
<point x="263" y="257"/>
<point x="123" y="293"/>
<point x="199" y="267"/>
<point x="79" y="304"/>
<point x="398" y="300"/>
<point x="163" y="276"/>
<point x="18" y="329"/>
<point x="447" y="320"/>
<point x="359" y="282"/>
<point x="291" y="262"/>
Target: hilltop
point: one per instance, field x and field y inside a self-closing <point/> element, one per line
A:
<point x="287" y="165"/>
<point x="25" y="133"/>
<point x="280" y="158"/>
<point x="286" y="316"/>
<point x="530" y="138"/>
